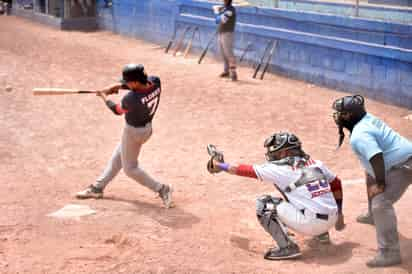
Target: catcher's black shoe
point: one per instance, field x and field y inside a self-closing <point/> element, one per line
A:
<point x="224" y="74"/>
<point x="290" y="252"/>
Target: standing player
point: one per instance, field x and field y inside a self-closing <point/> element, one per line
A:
<point x="226" y="21"/>
<point x="387" y="158"/>
<point x="312" y="194"/>
<point x="139" y="106"/>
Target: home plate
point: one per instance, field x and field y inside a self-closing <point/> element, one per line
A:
<point x="72" y="211"/>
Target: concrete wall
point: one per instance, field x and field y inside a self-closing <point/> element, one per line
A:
<point x="350" y="54"/>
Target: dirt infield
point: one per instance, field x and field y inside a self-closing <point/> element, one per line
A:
<point x="51" y="147"/>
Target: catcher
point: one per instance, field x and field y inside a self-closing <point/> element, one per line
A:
<point x="312" y="195"/>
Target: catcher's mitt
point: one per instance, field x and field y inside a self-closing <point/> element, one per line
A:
<point x="214" y="155"/>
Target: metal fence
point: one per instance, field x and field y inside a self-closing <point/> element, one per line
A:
<point x="399" y="11"/>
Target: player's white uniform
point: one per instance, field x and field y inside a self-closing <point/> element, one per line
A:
<point x="310" y="209"/>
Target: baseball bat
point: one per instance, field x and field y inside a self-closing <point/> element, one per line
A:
<point x="207" y="48"/>
<point x="180" y="42"/>
<point x="169" y="45"/>
<point x="261" y="59"/>
<point x="189" y="45"/>
<point x="60" y="91"/>
<point x="245" y="51"/>
<point x="272" y="51"/>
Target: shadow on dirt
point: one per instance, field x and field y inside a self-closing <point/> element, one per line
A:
<point x="242" y="242"/>
<point x="406" y="249"/>
<point x="173" y="217"/>
<point x="329" y="254"/>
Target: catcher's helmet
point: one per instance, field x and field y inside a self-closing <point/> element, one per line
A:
<point x="133" y="72"/>
<point x="280" y="141"/>
<point x="349" y="110"/>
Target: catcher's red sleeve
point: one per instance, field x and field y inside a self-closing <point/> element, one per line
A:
<point x="246" y="171"/>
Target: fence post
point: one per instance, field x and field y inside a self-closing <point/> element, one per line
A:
<point x="357" y="8"/>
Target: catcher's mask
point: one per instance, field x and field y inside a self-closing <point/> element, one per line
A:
<point x="349" y="110"/>
<point x="280" y="142"/>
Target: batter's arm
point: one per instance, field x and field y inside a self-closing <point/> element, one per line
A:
<point x="115" y="108"/>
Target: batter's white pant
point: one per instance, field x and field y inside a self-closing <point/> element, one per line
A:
<point x="287" y="215"/>
<point x="126" y="156"/>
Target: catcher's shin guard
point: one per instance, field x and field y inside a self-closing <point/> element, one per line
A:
<point x="267" y="216"/>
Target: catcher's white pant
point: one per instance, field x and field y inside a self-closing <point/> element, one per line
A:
<point x="275" y="216"/>
<point x="305" y="223"/>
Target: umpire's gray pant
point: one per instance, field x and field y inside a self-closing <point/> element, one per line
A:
<point x="397" y="181"/>
<point x="226" y="40"/>
<point x="126" y="156"/>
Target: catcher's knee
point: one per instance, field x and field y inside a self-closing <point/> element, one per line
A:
<point x="266" y="207"/>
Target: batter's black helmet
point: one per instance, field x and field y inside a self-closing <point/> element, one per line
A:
<point x="134" y="72"/>
<point x="280" y="141"/>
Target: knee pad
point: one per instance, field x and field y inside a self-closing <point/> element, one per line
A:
<point x="267" y="203"/>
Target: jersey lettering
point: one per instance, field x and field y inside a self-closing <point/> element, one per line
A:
<point x="152" y="105"/>
<point x="318" y="188"/>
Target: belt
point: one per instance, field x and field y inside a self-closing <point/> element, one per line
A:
<point x="324" y="217"/>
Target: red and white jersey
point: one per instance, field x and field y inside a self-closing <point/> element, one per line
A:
<point x="315" y="196"/>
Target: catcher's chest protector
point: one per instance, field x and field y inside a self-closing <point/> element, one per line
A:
<point x="309" y="175"/>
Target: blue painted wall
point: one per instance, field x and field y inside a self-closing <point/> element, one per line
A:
<point x="350" y="54"/>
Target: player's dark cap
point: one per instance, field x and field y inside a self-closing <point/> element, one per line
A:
<point x="133" y="72"/>
<point x="354" y="104"/>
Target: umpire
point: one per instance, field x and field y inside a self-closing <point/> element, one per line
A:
<point x="226" y="21"/>
<point x="387" y="159"/>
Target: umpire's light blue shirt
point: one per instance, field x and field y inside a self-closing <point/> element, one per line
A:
<point x="371" y="136"/>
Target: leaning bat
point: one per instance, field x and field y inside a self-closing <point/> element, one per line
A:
<point x="272" y="51"/>
<point x="189" y="46"/>
<point x="60" y="91"/>
<point x="169" y="45"/>
<point x="245" y="51"/>
<point x="181" y="40"/>
<point x="262" y="59"/>
<point x="207" y="48"/>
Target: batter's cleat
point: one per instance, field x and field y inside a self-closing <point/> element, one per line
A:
<point x="90" y="192"/>
<point x="165" y="193"/>
<point x="365" y="218"/>
<point x="233" y="76"/>
<point x="384" y="259"/>
<point x="285" y="253"/>
<point x="323" y="238"/>
<point x="224" y="74"/>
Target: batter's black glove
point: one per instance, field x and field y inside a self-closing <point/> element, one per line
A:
<point x="215" y="156"/>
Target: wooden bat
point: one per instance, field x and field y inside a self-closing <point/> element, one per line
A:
<point x="169" y="45"/>
<point x="189" y="46"/>
<point x="181" y="40"/>
<point x="207" y="48"/>
<point x="262" y="59"/>
<point x="272" y="51"/>
<point x="60" y="91"/>
<point x="245" y="51"/>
